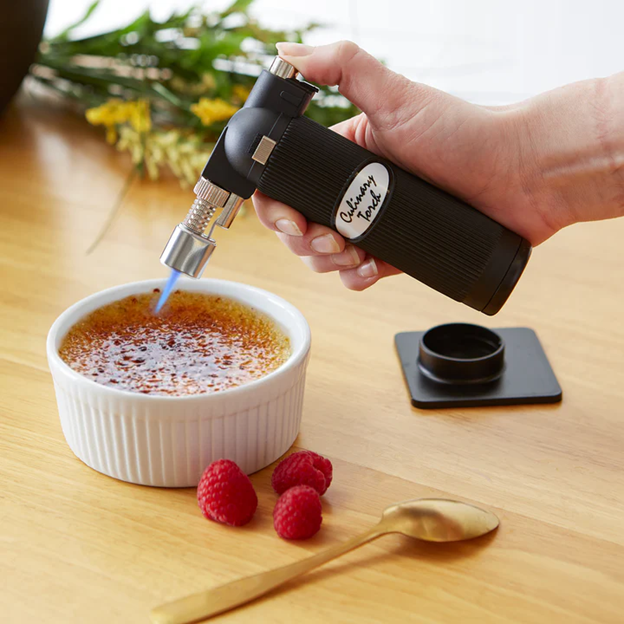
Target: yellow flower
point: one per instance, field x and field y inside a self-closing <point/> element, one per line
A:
<point x="113" y="112"/>
<point x="240" y="92"/>
<point x="184" y="154"/>
<point x="211" y="111"/>
<point x="139" y="115"/>
<point x="116" y="112"/>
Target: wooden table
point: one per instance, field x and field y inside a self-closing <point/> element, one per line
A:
<point x="80" y="547"/>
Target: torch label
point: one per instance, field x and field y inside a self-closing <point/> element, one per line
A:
<point x="363" y="200"/>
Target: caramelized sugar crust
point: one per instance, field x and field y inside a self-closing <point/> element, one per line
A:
<point x="198" y="344"/>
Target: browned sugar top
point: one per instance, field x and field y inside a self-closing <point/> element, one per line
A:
<point x="197" y="344"/>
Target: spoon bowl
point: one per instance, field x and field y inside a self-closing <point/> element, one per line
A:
<point x="438" y="520"/>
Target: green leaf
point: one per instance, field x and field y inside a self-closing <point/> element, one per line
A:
<point x="239" y="6"/>
<point x="64" y="36"/>
<point x="168" y="95"/>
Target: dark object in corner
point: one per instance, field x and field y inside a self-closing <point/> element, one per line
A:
<point x="21" y="27"/>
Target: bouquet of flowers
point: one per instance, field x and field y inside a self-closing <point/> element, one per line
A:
<point x="164" y="91"/>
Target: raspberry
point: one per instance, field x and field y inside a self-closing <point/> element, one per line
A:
<point x="225" y="494"/>
<point x="298" y="513"/>
<point x="302" y="468"/>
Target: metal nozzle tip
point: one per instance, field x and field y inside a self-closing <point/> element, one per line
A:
<point x="187" y="251"/>
<point x="279" y="67"/>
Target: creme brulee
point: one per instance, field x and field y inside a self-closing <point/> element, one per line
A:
<point x="199" y="343"/>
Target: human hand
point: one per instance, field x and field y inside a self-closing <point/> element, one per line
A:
<point x="492" y="158"/>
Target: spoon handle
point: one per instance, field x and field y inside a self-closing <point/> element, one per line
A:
<point x="205" y="604"/>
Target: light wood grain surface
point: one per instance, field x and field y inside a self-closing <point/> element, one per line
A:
<point x="80" y="547"/>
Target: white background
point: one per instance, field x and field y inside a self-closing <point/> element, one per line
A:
<point x="486" y="51"/>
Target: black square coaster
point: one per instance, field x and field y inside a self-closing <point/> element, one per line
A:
<point x="527" y="376"/>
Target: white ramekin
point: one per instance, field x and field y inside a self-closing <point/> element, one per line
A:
<point x="168" y="441"/>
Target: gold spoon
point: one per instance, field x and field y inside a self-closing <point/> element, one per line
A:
<point x="428" y="519"/>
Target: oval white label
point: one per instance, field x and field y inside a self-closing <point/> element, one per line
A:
<point x="363" y="200"/>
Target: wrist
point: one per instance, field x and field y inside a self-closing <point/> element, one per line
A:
<point x="570" y="150"/>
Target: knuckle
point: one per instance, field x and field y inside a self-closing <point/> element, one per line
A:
<point x="346" y="50"/>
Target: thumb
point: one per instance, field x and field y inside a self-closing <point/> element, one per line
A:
<point x="384" y="96"/>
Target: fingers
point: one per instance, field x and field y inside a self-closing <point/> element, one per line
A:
<point x="318" y="240"/>
<point x="362" y="79"/>
<point x="322" y="249"/>
<point x="367" y="274"/>
<point x="359" y="271"/>
<point x="279" y="217"/>
<point x="350" y="258"/>
<point x="301" y="237"/>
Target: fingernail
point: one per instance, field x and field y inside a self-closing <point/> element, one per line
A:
<point x="368" y="269"/>
<point x="288" y="227"/>
<point x="288" y="48"/>
<point x="325" y="244"/>
<point x="348" y="258"/>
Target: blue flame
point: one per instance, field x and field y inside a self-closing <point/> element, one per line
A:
<point x="171" y="282"/>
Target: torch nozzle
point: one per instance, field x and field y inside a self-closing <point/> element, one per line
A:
<point x="189" y="248"/>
